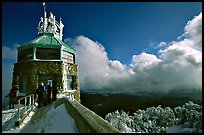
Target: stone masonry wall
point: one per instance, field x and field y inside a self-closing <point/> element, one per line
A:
<point x="32" y="69"/>
<point x="73" y="70"/>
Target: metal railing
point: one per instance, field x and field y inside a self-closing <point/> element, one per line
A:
<point x="27" y="105"/>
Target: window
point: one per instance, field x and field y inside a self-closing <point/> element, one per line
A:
<point x="67" y="57"/>
<point x="25" y="55"/>
<point x="70" y="82"/>
<point x="22" y="85"/>
<point x="48" y="53"/>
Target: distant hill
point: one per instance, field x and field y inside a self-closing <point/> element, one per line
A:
<point x="105" y="103"/>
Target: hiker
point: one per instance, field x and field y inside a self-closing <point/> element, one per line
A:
<point x="41" y="91"/>
<point x="49" y="90"/>
<point x="54" y="94"/>
<point x="12" y="96"/>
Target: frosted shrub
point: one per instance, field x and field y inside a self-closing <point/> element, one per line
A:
<point x="120" y="121"/>
<point x="153" y="120"/>
<point x="157" y="120"/>
<point x="189" y="116"/>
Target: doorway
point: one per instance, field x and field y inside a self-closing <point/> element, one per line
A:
<point x="48" y="79"/>
<point x="70" y="82"/>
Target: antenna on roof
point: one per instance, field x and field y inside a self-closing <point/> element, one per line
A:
<point x="44" y="19"/>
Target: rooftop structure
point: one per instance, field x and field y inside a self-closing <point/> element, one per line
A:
<point x="47" y="59"/>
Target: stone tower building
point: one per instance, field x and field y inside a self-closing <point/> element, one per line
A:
<point x="47" y="59"/>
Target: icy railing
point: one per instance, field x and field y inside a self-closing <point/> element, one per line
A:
<point x="26" y="106"/>
<point x="67" y="94"/>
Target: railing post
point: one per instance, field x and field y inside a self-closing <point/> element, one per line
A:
<point x="25" y="103"/>
<point x="25" y="108"/>
<point x="19" y="109"/>
<point x="29" y="101"/>
<point x="33" y="101"/>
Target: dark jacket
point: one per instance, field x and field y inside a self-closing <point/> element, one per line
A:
<point x="12" y="93"/>
<point x="41" y="90"/>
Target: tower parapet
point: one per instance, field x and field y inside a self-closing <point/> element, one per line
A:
<point x="50" y="25"/>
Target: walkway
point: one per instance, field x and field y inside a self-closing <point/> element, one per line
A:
<point x="47" y="119"/>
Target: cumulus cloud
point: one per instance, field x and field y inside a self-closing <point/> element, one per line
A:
<point x="161" y="44"/>
<point x="9" y="53"/>
<point x="179" y="65"/>
<point x="194" y="29"/>
<point x="93" y="62"/>
<point x="144" y="60"/>
<point x="9" y="56"/>
<point x="7" y="72"/>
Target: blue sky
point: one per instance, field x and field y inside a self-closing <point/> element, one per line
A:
<point x="121" y="27"/>
<point x="120" y="39"/>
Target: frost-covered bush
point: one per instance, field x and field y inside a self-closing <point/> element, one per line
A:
<point x="189" y="116"/>
<point x="120" y="120"/>
<point x="153" y="120"/>
<point x="158" y="119"/>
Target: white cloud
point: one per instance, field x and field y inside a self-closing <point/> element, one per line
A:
<point x="179" y="65"/>
<point x="7" y="72"/>
<point x="93" y="62"/>
<point x="194" y="29"/>
<point x="9" y="53"/>
<point x="161" y="44"/>
<point x="116" y="65"/>
<point x="144" y="59"/>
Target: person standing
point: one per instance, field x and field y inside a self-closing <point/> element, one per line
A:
<point x="49" y="90"/>
<point x="12" y="96"/>
<point x="41" y="91"/>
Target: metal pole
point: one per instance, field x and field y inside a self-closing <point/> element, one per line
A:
<point x="29" y="101"/>
<point x="25" y="103"/>
<point x="18" y="109"/>
<point x="33" y="101"/>
<point x="44" y="21"/>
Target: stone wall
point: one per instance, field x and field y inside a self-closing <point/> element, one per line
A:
<point x="73" y="70"/>
<point x="86" y="120"/>
<point x="32" y="69"/>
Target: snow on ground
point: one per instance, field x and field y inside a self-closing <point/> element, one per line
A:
<point x="180" y="129"/>
<point x="8" y="119"/>
<point x="174" y="129"/>
<point x="42" y="120"/>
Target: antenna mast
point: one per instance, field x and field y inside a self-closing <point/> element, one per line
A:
<point x="44" y="19"/>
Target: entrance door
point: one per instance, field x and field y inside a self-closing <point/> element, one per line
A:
<point x="46" y="79"/>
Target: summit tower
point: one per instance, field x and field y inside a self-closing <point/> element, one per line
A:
<point x="47" y="59"/>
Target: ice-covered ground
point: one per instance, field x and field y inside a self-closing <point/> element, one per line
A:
<point x="47" y="120"/>
<point x="153" y="120"/>
<point x="8" y="119"/>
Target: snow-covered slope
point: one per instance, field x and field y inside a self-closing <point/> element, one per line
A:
<point x="43" y="120"/>
<point x="8" y="119"/>
<point x="187" y="118"/>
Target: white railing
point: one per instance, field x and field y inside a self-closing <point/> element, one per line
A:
<point x="23" y="108"/>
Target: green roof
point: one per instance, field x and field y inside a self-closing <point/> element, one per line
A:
<point x="47" y="40"/>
